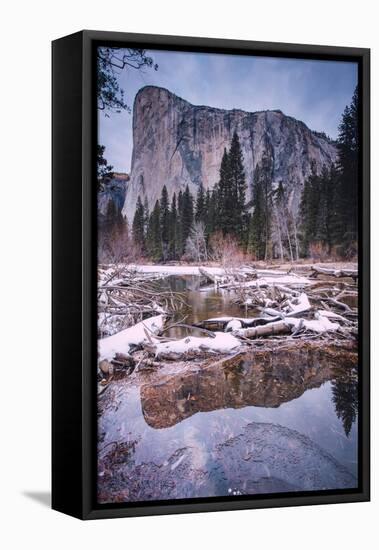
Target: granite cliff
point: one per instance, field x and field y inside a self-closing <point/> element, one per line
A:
<point x="176" y="143"/>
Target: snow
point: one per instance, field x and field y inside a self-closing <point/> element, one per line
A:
<point x="330" y="314"/>
<point x="243" y="320"/>
<point x="320" y="324"/>
<point x="176" y="269"/>
<point x="222" y="343"/>
<point x="301" y="306"/>
<point x="265" y="276"/>
<point x="120" y="342"/>
<point x="284" y="279"/>
<point x="233" y="324"/>
<point x="225" y="319"/>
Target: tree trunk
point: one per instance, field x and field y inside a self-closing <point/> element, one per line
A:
<point x="279" y="327"/>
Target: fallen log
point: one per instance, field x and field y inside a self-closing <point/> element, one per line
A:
<point x="270" y="329"/>
<point x="209" y="276"/>
<point x="353" y="273"/>
<point x="222" y="323"/>
<point x="340" y="305"/>
<point x="189" y="327"/>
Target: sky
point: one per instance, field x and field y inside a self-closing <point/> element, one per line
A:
<point x="315" y="92"/>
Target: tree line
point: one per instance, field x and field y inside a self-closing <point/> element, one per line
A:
<point x="265" y="227"/>
<point x="329" y="202"/>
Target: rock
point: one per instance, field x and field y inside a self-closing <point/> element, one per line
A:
<point x="278" y="459"/>
<point x="110" y="199"/>
<point x="176" y="143"/>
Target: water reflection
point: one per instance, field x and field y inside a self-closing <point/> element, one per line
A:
<point x="202" y="302"/>
<point x="259" y="380"/>
<point x="345" y="395"/>
<point x="234" y="428"/>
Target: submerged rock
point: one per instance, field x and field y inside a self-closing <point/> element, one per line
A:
<point x="265" y="458"/>
<point x="272" y="458"/>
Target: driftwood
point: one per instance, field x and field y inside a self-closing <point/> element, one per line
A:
<point x="339" y="273"/>
<point x="221" y="324"/>
<point x="120" y="364"/>
<point x="126" y="298"/>
<point x="279" y="327"/>
<point x="209" y="276"/>
<point x="190" y="327"/>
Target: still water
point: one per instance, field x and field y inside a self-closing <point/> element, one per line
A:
<point x="245" y="426"/>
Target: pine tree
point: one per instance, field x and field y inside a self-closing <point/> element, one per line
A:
<point x="209" y="214"/>
<point x="200" y="205"/>
<point x="337" y="222"/>
<point x="256" y="243"/>
<point x="309" y="208"/>
<point x="174" y="230"/>
<point x="345" y="397"/>
<point x="179" y="236"/>
<point x="154" y="238"/>
<point x="323" y="230"/>
<point x="283" y="235"/>
<point x="186" y="216"/>
<point x="104" y="170"/>
<point x="224" y="197"/>
<point x="267" y="192"/>
<point x="260" y="242"/>
<point x="237" y="188"/>
<point x="328" y="213"/>
<point x="348" y="151"/>
<point x="138" y="226"/>
<point x="165" y="223"/>
<point x="146" y="215"/>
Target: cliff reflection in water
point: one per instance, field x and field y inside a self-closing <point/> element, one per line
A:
<point x="262" y="380"/>
<point x="275" y="422"/>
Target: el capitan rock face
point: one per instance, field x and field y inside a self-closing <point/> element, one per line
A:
<point x="176" y="143"/>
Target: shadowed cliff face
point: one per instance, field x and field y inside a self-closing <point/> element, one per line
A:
<point x="111" y="199"/>
<point x="176" y="143"/>
<point x="262" y="380"/>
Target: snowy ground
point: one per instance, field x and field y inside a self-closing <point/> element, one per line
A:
<point x="265" y="276"/>
<point x="222" y="343"/>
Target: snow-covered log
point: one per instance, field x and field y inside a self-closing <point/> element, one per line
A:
<point x="233" y="323"/>
<point x="194" y="346"/>
<point x="122" y="341"/>
<point x="353" y="273"/>
<point x="270" y="329"/>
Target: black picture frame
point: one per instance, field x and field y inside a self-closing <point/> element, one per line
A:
<point x="74" y="274"/>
